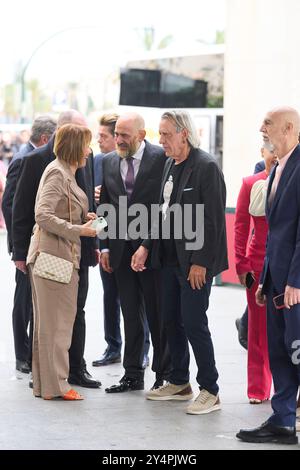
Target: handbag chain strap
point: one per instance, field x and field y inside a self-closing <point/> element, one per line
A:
<point x="70" y="216"/>
<point x="71" y="222"/>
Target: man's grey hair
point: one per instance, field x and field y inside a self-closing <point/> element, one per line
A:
<point x="71" y="116"/>
<point x="42" y="125"/>
<point x="182" y="120"/>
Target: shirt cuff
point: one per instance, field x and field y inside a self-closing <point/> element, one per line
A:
<point x="105" y="250"/>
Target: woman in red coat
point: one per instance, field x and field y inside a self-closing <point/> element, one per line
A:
<point x="250" y="246"/>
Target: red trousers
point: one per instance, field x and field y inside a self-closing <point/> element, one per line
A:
<point x="259" y="374"/>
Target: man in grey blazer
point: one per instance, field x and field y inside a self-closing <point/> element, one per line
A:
<point x="193" y="195"/>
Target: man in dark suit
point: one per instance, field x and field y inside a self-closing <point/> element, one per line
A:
<point x="133" y="174"/>
<point x="111" y="300"/>
<point x="281" y="275"/>
<point x="194" y="197"/>
<point x="42" y="129"/>
<point x="23" y="221"/>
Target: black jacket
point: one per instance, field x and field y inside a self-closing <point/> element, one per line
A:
<point x="10" y="189"/>
<point x="201" y="182"/>
<point x="32" y="168"/>
<point x="146" y="191"/>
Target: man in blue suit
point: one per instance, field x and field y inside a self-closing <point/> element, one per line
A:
<point x="111" y="301"/>
<point x="281" y="275"/>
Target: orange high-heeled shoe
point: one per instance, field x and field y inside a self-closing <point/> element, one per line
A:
<point x="72" y="395"/>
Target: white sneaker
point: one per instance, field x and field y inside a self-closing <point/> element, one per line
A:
<point x="171" y="392"/>
<point x="204" y="403"/>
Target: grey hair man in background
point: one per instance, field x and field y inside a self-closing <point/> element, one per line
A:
<point x="191" y="178"/>
<point x="42" y="129"/>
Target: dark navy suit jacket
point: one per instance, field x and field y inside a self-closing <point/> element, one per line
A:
<point x="98" y="172"/>
<point x="282" y="259"/>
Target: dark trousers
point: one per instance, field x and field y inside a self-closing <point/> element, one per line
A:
<point x="111" y="315"/>
<point x="22" y="317"/>
<point x="284" y="350"/>
<point x="76" y="351"/>
<point x="184" y="314"/>
<point x="139" y="296"/>
<point x="111" y="312"/>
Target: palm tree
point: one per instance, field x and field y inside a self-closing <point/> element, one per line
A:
<point x="148" y="38"/>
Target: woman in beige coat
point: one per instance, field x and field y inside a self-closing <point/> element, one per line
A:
<point x="55" y="303"/>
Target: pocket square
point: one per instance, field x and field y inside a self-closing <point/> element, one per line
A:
<point x="188" y="189"/>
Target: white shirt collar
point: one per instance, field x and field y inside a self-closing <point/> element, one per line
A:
<point x="33" y="145"/>
<point x="139" y="153"/>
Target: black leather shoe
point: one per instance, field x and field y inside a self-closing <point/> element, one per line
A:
<point x="23" y="366"/>
<point x="269" y="432"/>
<point x="242" y="333"/>
<point x="83" y="380"/>
<point x="146" y="362"/>
<point x="126" y="384"/>
<point x="107" y="358"/>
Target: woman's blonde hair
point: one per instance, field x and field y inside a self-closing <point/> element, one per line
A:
<point x="70" y="143"/>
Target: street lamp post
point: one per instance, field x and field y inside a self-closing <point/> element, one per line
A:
<point x="23" y="85"/>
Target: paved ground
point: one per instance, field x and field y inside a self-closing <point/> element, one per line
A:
<point x="125" y="421"/>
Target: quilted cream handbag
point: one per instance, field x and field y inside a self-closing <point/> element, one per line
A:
<point x="52" y="267"/>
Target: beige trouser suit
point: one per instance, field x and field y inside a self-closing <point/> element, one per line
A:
<point x="54" y="303"/>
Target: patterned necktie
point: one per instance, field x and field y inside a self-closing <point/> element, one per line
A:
<point x="129" y="180"/>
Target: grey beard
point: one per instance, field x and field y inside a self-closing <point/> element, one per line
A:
<point x="269" y="146"/>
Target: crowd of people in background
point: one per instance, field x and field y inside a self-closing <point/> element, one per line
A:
<point x="10" y="144"/>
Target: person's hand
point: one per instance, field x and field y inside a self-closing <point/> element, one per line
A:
<point x="291" y="297"/>
<point x="21" y="266"/>
<point x="242" y="278"/>
<point x="105" y="262"/>
<point x="97" y="194"/>
<point x="197" y="277"/>
<point x="97" y="256"/>
<point x="87" y="231"/>
<point x="139" y="258"/>
<point x="91" y="216"/>
<point x="260" y="298"/>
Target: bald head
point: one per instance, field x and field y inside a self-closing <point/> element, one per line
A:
<point x="289" y="118"/>
<point x="129" y="134"/>
<point x="134" y="120"/>
<point x="280" y="130"/>
<point x="71" y="116"/>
